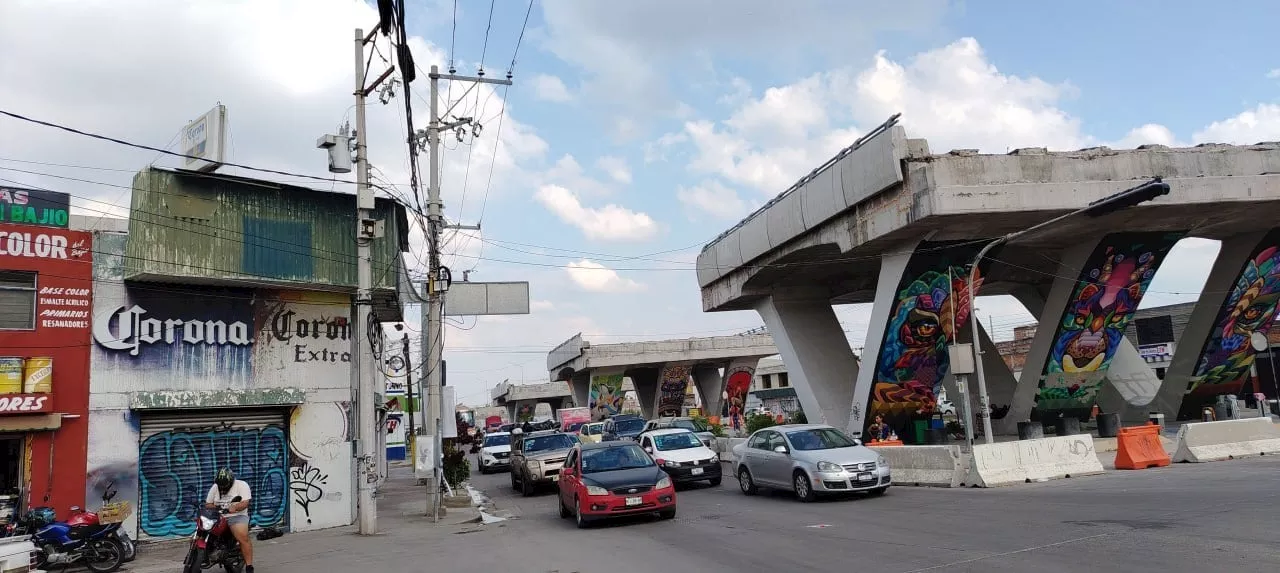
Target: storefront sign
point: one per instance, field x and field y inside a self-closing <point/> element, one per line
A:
<point x="132" y="330"/>
<point x="25" y="404"/>
<point x="33" y="207"/>
<point x="1155" y="350"/>
<point x="41" y="245"/>
<point x="288" y="327"/>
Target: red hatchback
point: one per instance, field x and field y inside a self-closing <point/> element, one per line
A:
<point x="613" y="479"/>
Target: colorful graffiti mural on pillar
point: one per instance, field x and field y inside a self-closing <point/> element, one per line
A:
<point x="737" y="383"/>
<point x="671" y="389"/>
<point x="1227" y="356"/>
<point x="931" y="306"/>
<point x="176" y="471"/>
<point x="1107" y="293"/>
<point x="606" y="396"/>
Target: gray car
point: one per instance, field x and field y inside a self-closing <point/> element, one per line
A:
<point x="536" y="458"/>
<point x="809" y="459"/>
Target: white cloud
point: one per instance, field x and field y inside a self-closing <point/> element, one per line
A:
<point x="616" y="168"/>
<point x="1250" y="126"/>
<point x="595" y="277"/>
<point x="550" y="88"/>
<point x="655" y="151"/>
<point x="608" y="223"/>
<point x="1151" y="133"/>
<point x="1274" y="74"/>
<point x="713" y="198"/>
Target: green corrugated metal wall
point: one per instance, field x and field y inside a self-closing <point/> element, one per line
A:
<point x="230" y="229"/>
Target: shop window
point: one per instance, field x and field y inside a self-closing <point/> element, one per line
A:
<point x="17" y="300"/>
<point x="782" y="380"/>
<point x="767" y="380"/>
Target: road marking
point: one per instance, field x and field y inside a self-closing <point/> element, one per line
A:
<point x="1007" y="553"/>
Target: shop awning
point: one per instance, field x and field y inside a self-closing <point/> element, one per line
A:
<point x="30" y="423"/>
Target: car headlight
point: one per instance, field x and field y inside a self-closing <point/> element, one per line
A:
<point x="880" y="461"/>
<point x="829" y="467"/>
<point x="596" y="490"/>
<point x="663" y="483"/>
<point x="206" y="523"/>
<point x="715" y="458"/>
<point x="671" y="464"/>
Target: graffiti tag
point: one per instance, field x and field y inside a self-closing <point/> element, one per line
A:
<point x="307" y="484"/>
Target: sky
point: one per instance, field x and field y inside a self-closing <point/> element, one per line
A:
<point x="634" y="132"/>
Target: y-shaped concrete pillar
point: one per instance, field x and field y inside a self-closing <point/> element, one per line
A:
<point x="1213" y="355"/>
<point x="645" y="381"/>
<point x="820" y="364"/>
<point x="710" y="385"/>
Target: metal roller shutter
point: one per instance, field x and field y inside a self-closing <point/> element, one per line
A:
<point x="180" y="451"/>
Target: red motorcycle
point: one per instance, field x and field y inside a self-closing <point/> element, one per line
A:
<point x="212" y="543"/>
<point x="115" y="512"/>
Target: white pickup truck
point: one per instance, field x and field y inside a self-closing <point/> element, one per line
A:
<point x="17" y="555"/>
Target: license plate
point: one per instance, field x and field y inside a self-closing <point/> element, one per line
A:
<point x="866" y="476"/>
<point x="635" y="501"/>
<point x="696" y="471"/>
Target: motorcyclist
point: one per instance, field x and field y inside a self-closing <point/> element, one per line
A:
<point x="226" y="488"/>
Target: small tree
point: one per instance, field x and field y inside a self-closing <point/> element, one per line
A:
<point x="760" y="421"/>
<point x="457" y="468"/>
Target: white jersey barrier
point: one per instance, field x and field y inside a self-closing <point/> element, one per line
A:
<point x="1216" y="441"/>
<point x="1041" y="459"/>
<point x="724" y="447"/>
<point x="937" y="466"/>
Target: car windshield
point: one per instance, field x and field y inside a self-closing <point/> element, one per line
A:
<point x="692" y="425"/>
<point x="591" y="429"/>
<point x="616" y="458"/>
<point x="679" y="441"/>
<point x="503" y="440"/>
<point x="546" y="443"/>
<point x="628" y="426"/>
<point x="820" y="439"/>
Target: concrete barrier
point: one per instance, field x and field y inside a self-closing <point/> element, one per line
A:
<point x="1041" y="459"/>
<point x="1216" y="441"/>
<point x="936" y="466"/>
<point x="724" y="447"/>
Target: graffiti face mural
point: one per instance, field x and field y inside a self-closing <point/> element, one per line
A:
<point x="1106" y="295"/>
<point x="671" y="389"/>
<point x="176" y="470"/>
<point x="1250" y="307"/>
<point x="606" y="396"/>
<point x="931" y="306"/>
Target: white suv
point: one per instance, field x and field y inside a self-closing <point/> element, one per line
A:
<point x="495" y="452"/>
<point x="682" y="455"/>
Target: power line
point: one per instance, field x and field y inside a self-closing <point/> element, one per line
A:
<point x="164" y="151"/>
<point x="520" y="40"/>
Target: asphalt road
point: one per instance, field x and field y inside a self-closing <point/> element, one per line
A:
<point x="1207" y="517"/>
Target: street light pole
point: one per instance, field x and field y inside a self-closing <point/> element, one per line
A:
<point x="1109" y="204"/>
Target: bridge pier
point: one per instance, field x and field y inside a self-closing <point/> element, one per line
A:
<point x="820" y="364"/>
<point x="645" y="382"/>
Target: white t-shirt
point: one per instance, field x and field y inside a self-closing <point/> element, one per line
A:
<point x="238" y="488"/>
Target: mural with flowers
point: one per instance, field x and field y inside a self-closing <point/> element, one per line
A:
<point x="606" y="396"/>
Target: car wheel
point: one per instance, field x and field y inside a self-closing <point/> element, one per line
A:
<point x="745" y="482"/>
<point x="803" y="488"/>
<point x="667" y="514"/>
<point x="715" y="481"/>
<point x="582" y="521"/>
<point x="564" y="511"/>
<point x="527" y="487"/>
<point x="880" y="490"/>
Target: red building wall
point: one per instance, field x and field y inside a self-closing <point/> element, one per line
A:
<point x="63" y="261"/>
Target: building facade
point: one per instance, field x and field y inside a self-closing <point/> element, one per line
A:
<point x="45" y="301"/>
<point x="221" y="337"/>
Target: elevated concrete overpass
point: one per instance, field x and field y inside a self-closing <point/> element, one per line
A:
<point x="659" y="371"/>
<point x="514" y="396"/>
<point x="888" y="222"/>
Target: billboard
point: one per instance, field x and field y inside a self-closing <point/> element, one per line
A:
<point x="204" y="140"/>
<point x="35" y="207"/>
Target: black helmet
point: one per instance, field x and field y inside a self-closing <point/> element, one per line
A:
<point x="224" y="480"/>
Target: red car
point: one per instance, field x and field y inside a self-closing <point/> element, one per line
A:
<point x="613" y="479"/>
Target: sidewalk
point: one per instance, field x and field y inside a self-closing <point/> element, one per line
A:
<point x="405" y="536"/>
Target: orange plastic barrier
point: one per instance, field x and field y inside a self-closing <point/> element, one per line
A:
<point x="879" y="443"/>
<point x="1139" y="448"/>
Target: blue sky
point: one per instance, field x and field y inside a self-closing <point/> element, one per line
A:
<point x="636" y="128"/>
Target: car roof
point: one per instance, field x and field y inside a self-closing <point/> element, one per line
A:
<point x="625" y="417"/>
<point x="794" y="427"/>
<point x="606" y="445"/>
<point x="668" y="431"/>
<point x="498" y="434"/>
<point x="540" y="433"/>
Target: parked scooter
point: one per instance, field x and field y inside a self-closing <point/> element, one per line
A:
<point x="59" y="544"/>
<point x="212" y="543"/>
<point x="119" y="512"/>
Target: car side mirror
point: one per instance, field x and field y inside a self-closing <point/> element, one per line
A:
<point x="780" y="449"/>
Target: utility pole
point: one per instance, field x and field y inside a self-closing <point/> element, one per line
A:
<point x="408" y="385"/>
<point x="438" y="277"/>
<point x="367" y="229"/>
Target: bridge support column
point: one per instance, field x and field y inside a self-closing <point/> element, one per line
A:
<point x="580" y="388"/>
<point x="1098" y="288"/>
<point x="1213" y="352"/>
<point x="820" y="364"/>
<point x="710" y="384"/>
<point x="645" y="382"/>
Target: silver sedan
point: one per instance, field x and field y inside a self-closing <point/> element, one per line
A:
<point x="809" y="459"/>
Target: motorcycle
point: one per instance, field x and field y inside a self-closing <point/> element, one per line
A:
<point x="57" y="543"/>
<point x="115" y="512"/>
<point x="212" y="543"/>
